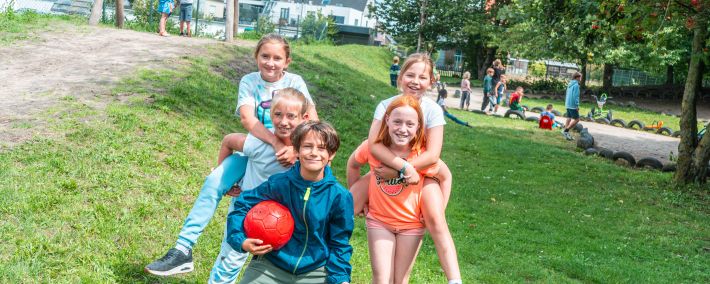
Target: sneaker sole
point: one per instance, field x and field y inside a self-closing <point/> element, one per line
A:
<point x="184" y="268"/>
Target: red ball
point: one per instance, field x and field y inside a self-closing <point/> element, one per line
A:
<point x="270" y="222"/>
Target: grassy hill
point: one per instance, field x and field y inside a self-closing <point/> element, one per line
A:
<point x="109" y="193"/>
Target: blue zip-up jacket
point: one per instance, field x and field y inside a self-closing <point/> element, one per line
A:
<point x="323" y="217"/>
<point x="572" y="96"/>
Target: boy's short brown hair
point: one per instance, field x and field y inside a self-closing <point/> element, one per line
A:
<point x="577" y="76"/>
<point x="549" y="107"/>
<point x="327" y="134"/>
<point x="395" y="60"/>
<point x="489" y="70"/>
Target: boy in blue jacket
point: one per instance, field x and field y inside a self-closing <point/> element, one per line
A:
<point x="572" y="105"/>
<point x="319" y="250"/>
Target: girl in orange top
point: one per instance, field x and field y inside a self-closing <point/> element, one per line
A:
<point x="394" y="229"/>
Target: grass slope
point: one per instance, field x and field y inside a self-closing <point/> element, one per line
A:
<point x="110" y="195"/>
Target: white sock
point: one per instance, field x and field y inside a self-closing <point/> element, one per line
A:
<point x="183" y="249"/>
<point x="455" y="281"/>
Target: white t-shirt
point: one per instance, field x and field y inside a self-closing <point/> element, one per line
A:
<point x="261" y="165"/>
<point x="433" y="115"/>
<point x="253" y="90"/>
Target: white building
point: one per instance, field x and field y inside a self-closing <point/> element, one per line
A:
<point x="291" y="12"/>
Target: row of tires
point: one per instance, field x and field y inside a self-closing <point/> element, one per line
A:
<point x="634" y="124"/>
<point x="629" y="160"/>
<point x="586" y="141"/>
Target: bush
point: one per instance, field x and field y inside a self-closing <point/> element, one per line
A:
<point x="539" y="85"/>
<point x="537" y="69"/>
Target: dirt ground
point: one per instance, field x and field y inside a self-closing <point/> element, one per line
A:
<point x="80" y="62"/>
<point x="640" y="144"/>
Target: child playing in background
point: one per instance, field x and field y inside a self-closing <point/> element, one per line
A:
<point x="516" y="98"/>
<point x="548" y="113"/>
<point x="394" y="71"/>
<point x="165" y="8"/>
<point x="487" y="89"/>
<point x="443" y="94"/>
<point x="499" y="90"/>
<point x="319" y="251"/>
<point x="465" y="90"/>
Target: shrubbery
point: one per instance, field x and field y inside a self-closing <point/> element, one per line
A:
<point x="539" y="85"/>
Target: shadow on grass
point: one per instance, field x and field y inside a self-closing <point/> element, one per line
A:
<point x="130" y="273"/>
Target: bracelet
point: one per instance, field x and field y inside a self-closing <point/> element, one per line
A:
<point x="404" y="168"/>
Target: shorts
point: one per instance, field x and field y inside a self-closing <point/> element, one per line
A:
<point x="185" y="12"/>
<point x="375" y="224"/>
<point x="573" y="113"/>
<point x="166" y="6"/>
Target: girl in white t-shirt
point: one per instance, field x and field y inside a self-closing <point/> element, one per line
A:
<point x="416" y="77"/>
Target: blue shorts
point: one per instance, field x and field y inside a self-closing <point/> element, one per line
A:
<point x="573" y="113"/>
<point x="166" y="6"/>
<point x="185" y="12"/>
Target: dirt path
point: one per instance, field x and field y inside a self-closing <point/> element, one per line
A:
<point x="83" y="62"/>
<point x="639" y="143"/>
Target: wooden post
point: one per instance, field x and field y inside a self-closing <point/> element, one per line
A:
<point x="236" y="18"/>
<point x="119" y="14"/>
<point x="96" y="12"/>
<point x="229" y="23"/>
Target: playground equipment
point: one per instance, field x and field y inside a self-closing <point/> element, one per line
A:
<point x="598" y="113"/>
<point x="657" y="126"/>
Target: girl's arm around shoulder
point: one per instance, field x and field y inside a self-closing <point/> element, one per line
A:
<point x="340" y="230"/>
<point x="355" y="163"/>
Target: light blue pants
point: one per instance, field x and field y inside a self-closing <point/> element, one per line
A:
<point x="229" y="261"/>
<point x="216" y="185"/>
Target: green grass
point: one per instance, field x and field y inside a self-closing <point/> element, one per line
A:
<point x="626" y="113"/>
<point x="110" y="194"/>
<point x="16" y="26"/>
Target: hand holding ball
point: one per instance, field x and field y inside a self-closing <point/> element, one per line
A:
<point x="270" y="222"/>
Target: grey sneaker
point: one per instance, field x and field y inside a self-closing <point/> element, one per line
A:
<point x="171" y="263"/>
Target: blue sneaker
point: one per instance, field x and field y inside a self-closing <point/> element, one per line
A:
<point x="171" y="263"/>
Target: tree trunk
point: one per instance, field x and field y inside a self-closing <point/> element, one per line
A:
<point x="669" y="75"/>
<point x="236" y="17"/>
<point x="229" y="22"/>
<point x="422" y="21"/>
<point x="96" y="12"/>
<point x="608" y="77"/>
<point x="689" y="161"/>
<point x="486" y="60"/>
<point x="119" y="14"/>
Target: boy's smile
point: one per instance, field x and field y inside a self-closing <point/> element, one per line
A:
<point x="285" y="117"/>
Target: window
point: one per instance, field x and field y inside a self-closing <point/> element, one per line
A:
<point x="356" y="22"/>
<point x="284" y="13"/>
<point x="338" y="19"/>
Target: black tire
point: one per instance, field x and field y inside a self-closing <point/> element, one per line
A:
<point x="525" y="107"/>
<point x="556" y="113"/>
<point x="545" y="97"/>
<point x="602" y="120"/>
<point x="578" y="127"/>
<point x="609" y="116"/>
<point x="532" y="118"/>
<point x="676" y="134"/>
<point x="591" y="151"/>
<point x="665" y="131"/>
<point x="514" y="114"/>
<point x="618" y="122"/>
<point x="649" y="162"/>
<point x="624" y="156"/>
<point x="669" y="168"/>
<point x="633" y="123"/>
<point x="478" y="111"/>
<point x="537" y="109"/>
<point x="606" y="153"/>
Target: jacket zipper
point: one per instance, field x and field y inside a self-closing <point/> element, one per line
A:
<point x="305" y="203"/>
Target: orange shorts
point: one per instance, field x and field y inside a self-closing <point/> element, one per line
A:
<point x="374" y="224"/>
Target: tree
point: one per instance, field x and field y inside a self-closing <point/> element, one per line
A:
<point x="229" y="21"/>
<point x="119" y="14"/>
<point x="96" y="12"/>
